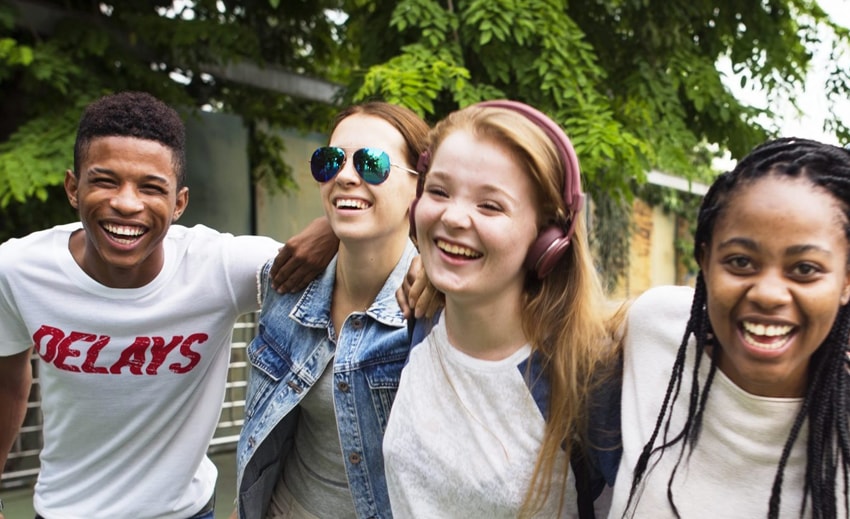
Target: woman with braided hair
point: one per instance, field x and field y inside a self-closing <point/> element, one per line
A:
<point x="753" y="421"/>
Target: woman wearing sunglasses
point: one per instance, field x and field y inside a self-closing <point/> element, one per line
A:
<point x="326" y="361"/>
<point x="494" y="399"/>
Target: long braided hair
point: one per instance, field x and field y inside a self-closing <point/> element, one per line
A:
<point x="825" y="403"/>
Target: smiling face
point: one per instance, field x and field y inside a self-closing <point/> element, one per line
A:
<point x="776" y="274"/>
<point x="127" y="197"/>
<point x="476" y="219"/>
<point x="359" y="211"/>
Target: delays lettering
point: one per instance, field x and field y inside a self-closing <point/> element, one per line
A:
<point x="82" y="352"/>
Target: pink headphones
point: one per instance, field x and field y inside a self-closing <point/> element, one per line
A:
<point x="553" y="240"/>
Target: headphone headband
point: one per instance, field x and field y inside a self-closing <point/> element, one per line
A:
<point x="573" y="197"/>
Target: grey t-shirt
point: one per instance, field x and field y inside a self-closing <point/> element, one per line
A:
<point x="314" y="471"/>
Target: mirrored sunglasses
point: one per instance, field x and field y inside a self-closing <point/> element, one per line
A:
<point x="372" y="164"/>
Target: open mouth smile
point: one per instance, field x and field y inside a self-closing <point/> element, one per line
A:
<point x="766" y="336"/>
<point x="124" y="234"/>
<point x="351" y="203"/>
<point x="457" y="250"/>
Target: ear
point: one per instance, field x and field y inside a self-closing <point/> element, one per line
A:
<point x="72" y="185"/>
<point x="702" y="255"/>
<point x="845" y="290"/>
<point x="182" y="202"/>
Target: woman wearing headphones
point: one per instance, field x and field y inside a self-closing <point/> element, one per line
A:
<point x="494" y="400"/>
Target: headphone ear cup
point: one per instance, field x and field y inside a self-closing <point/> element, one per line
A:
<point x="412" y="218"/>
<point x="547" y="249"/>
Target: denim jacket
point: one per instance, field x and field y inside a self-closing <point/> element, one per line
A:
<point x="289" y="353"/>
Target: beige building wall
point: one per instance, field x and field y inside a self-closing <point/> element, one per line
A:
<point x="652" y="254"/>
<point x="662" y="250"/>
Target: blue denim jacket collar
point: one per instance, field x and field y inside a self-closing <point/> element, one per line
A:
<point x="312" y="309"/>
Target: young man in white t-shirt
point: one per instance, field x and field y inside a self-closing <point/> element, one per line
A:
<point x="131" y="318"/>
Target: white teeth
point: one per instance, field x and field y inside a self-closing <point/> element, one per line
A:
<point x="766" y="336"/>
<point x="767" y="330"/>
<point x="457" y="250"/>
<point x="350" y="203"/>
<point x="125" y="231"/>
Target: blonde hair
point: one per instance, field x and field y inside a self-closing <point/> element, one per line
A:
<point x="564" y="314"/>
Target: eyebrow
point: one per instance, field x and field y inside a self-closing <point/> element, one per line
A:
<point x="751" y="245"/>
<point x="149" y="177"/>
<point x="446" y="176"/>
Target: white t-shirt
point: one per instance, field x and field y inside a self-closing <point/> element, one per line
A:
<point x="132" y="380"/>
<point x="731" y="471"/>
<point x="463" y="436"/>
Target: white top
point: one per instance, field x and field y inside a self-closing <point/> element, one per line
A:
<point x="731" y="471"/>
<point x="463" y="436"/>
<point x="132" y="380"/>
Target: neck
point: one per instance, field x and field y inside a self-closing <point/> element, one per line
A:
<point x="110" y="275"/>
<point x="489" y="331"/>
<point x="361" y="272"/>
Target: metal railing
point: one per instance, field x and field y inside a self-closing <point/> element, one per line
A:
<point x="22" y="463"/>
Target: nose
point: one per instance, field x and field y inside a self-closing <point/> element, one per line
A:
<point x="127" y="200"/>
<point x="347" y="176"/>
<point x="456" y="215"/>
<point x="770" y="290"/>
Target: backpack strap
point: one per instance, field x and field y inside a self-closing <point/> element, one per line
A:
<point x="596" y="466"/>
<point x="585" y="492"/>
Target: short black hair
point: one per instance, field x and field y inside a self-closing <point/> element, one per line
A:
<point x="133" y="114"/>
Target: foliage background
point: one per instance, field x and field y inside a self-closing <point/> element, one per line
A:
<point x="634" y="82"/>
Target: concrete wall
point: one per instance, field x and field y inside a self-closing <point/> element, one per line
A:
<point x="283" y="215"/>
<point x="217" y="173"/>
<point x="221" y="194"/>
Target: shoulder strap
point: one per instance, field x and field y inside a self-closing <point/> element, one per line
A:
<point x="418" y="329"/>
<point x="584" y="488"/>
<point x="588" y="482"/>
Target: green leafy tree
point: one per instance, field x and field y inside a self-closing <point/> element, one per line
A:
<point x="57" y="56"/>
<point x="635" y="83"/>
